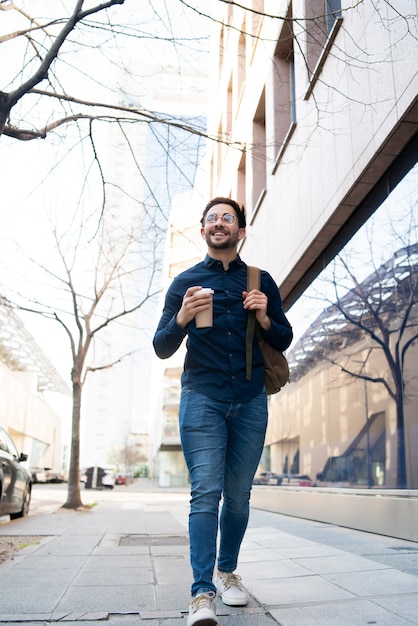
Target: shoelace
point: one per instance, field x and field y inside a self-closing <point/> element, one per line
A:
<point x="232" y="580"/>
<point x="202" y="601"/>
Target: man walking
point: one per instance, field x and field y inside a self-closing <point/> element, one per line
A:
<point x="223" y="416"/>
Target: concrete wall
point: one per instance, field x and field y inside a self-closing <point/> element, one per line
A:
<point x="391" y="513"/>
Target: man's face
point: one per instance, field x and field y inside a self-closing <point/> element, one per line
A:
<point x="218" y="231"/>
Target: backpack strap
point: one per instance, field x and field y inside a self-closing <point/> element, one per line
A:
<point x="253" y="282"/>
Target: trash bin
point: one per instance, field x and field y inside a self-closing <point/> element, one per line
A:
<point x="94" y="477"/>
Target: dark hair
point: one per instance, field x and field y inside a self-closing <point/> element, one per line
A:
<point x="239" y="210"/>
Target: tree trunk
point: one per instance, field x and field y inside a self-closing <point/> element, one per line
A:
<point x="73" y="495"/>
<point x="401" y="450"/>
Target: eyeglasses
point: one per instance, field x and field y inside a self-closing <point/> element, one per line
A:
<point x="227" y="218"/>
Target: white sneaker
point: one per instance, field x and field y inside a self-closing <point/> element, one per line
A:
<point x="202" y="610"/>
<point x="230" y="589"/>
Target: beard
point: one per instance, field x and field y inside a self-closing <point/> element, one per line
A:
<point x="230" y="242"/>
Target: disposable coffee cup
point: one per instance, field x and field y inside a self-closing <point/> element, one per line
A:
<point x="204" y="319"/>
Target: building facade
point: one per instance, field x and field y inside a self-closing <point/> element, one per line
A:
<point x="312" y="117"/>
<point x="27" y="380"/>
<point x="314" y="106"/>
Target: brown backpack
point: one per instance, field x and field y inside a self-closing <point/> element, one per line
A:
<point x="276" y="373"/>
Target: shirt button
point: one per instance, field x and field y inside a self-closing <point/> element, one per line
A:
<point x="230" y="356"/>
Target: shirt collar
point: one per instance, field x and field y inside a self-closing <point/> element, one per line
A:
<point x="210" y="262"/>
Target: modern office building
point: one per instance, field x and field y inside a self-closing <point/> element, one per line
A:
<point x="184" y="248"/>
<point x="116" y="401"/>
<point x="27" y="379"/>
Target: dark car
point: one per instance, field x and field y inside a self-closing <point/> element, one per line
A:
<point x="15" y="480"/>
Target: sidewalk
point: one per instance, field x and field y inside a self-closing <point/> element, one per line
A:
<point x="126" y="561"/>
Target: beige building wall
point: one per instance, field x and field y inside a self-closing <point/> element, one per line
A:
<point x="33" y="425"/>
<point x="304" y="168"/>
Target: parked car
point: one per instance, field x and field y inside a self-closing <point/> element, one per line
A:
<point x="297" y="480"/>
<point x="266" y="478"/>
<point x="54" y="475"/>
<point x="47" y="475"/>
<point x="38" y="474"/>
<point x="120" y="479"/>
<point x="109" y="479"/>
<point x="15" y="480"/>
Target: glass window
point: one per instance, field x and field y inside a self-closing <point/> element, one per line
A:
<point x="349" y="417"/>
<point x="283" y="87"/>
<point x="7" y="444"/>
<point x="333" y="11"/>
<point x="320" y="18"/>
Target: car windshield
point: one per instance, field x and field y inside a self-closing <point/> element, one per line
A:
<point x="7" y="444"/>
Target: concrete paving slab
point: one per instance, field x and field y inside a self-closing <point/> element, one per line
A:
<point x="111" y="548"/>
<point x="115" y="599"/>
<point x="405" y="606"/>
<point x="34" y="619"/>
<point x="335" y="564"/>
<point x="377" y="583"/>
<point x="36" y="578"/>
<point x="167" y="569"/>
<point x="63" y="546"/>
<point x="254" y="555"/>
<point x="356" y="613"/>
<point x="295" y="590"/>
<point x="283" y="568"/>
<point x="404" y="561"/>
<point x="174" y="595"/>
<point x="107" y="576"/>
<point x="109" y="562"/>
<point x="51" y="562"/>
<point x="28" y="599"/>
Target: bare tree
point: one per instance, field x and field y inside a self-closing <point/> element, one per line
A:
<point x="103" y="273"/>
<point x="47" y="41"/>
<point x="91" y="49"/>
<point x="128" y="455"/>
<point x="384" y="308"/>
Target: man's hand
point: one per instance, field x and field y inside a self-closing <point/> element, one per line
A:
<point x="193" y="302"/>
<point x="257" y="301"/>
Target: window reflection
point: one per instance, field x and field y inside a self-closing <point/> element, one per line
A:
<point x="349" y="417"/>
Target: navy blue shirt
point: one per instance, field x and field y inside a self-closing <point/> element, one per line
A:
<point x="215" y="363"/>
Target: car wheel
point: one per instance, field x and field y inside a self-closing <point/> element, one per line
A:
<point x="25" y="506"/>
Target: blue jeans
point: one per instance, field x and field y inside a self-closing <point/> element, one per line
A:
<point x="222" y="445"/>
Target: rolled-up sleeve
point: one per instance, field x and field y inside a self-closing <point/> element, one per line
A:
<point x="169" y="335"/>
